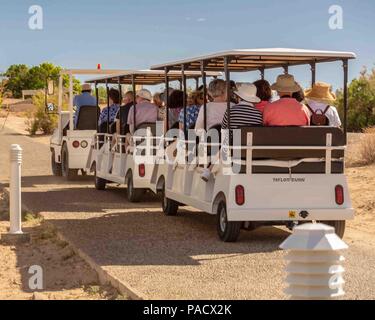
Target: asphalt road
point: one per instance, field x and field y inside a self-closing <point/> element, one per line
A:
<point x="168" y="257"/>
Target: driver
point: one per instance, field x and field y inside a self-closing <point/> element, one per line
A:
<point x="83" y="99"/>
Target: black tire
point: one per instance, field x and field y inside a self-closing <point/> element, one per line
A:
<point x="68" y="174"/>
<point x="169" y="206"/>
<point x="56" y="167"/>
<point x="100" y="183"/>
<point x="228" y="231"/>
<point x="132" y="194"/>
<point x="339" y="226"/>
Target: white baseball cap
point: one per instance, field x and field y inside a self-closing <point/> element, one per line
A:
<point x="145" y="94"/>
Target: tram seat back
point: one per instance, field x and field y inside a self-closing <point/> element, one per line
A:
<point x="295" y="136"/>
<point x="141" y="130"/>
<point x="87" y="118"/>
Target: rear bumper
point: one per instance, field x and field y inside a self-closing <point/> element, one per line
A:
<point x="299" y="214"/>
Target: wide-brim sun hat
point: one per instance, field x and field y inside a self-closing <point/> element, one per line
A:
<point x="247" y="92"/>
<point x="286" y="83"/>
<point x="144" y="94"/>
<point x="321" y="92"/>
<point x="86" y="87"/>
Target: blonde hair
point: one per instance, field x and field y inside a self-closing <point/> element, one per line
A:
<point x="217" y="88"/>
<point x="156" y="99"/>
<point x="193" y="98"/>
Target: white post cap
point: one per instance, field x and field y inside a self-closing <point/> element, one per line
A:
<point x="315" y="237"/>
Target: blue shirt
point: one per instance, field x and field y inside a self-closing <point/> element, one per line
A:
<point x="84" y="99"/>
<point x="191" y="115"/>
<point x="113" y="109"/>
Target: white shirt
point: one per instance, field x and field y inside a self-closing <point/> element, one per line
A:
<point x="331" y="114"/>
<point x="215" y="115"/>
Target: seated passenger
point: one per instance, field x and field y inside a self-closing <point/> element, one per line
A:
<point x="109" y="114"/>
<point x="83" y="99"/>
<point x="195" y="100"/>
<point x="319" y="100"/>
<point x="244" y="114"/>
<point x="145" y="110"/>
<point x="286" y="111"/>
<point x="233" y="88"/>
<point x="264" y="93"/>
<point x="124" y="112"/>
<point x="157" y="100"/>
<point x="216" y="108"/>
<point x="176" y="101"/>
<point x="299" y="95"/>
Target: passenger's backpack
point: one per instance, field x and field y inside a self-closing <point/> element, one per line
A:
<point x="318" y="117"/>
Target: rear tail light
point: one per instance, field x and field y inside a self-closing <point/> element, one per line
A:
<point x="141" y="170"/>
<point x="339" y="194"/>
<point x="75" y="144"/>
<point x="240" y="195"/>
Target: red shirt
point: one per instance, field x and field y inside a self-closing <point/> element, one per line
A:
<point x="286" y="112"/>
<point x="260" y="106"/>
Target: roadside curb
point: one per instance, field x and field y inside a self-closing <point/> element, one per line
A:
<point x="104" y="277"/>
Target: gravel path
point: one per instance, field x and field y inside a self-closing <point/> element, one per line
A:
<point x="174" y="257"/>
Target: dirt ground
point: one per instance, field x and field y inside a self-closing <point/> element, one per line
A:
<point x="165" y="261"/>
<point x="66" y="276"/>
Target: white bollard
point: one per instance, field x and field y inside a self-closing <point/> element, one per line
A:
<point x="15" y="189"/>
<point x="314" y="269"/>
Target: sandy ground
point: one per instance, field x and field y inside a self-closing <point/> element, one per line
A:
<point x="66" y="276"/>
<point x="180" y="257"/>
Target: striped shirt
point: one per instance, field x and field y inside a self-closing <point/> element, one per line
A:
<point x="243" y="114"/>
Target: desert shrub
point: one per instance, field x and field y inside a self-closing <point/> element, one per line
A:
<point x="41" y="119"/>
<point x="367" y="147"/>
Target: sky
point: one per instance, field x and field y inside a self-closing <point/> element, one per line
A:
<point x="135" y="34"/>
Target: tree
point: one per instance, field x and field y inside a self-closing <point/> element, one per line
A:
<point x="21" y="77"/>
<point x="17" y="79"/>
<point x="361" y="102"/>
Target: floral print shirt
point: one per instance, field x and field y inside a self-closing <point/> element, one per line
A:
<point x="113" y="109"/>
<point x="191" y="115"/>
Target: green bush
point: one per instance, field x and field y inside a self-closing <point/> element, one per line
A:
<point x="41" y="119"/>
<point x="361" y="102"/>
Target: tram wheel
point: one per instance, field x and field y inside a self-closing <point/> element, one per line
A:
<point x="228" y="231"/>
<point x="68" y="174"/>
<point x="133" y="194"/>
<point x="56" y="167"/>
<point x="100" y="183"/>
<point x="169" y="206"/>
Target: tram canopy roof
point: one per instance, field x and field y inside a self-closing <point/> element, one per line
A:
<point x="148" y="77"/>
<point x="241" y="60"/>
<point x="91" y="71"/>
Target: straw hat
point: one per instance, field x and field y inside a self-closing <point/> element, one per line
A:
<point x="86" y="87"/>
<point x="145" y="94"/>
<point x="321" y="92"/>
<point x="247" y="92"/>
<point x="285" y="83"/>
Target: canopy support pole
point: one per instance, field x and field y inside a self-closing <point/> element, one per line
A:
<point x="261" y="73"/>
<point x="120" y="102"/>
<point x="227" y="80"/>
<point x="97" y="105"/>
<point x="71" y="125"/>
<point x="313" y="73"/>
<point x="134" y="103"/>
<point x="345" y="89"/>
<point x="204" y="83"/>
<point x="167" y="99"/>
<point x="107" y="89"/>
<point x="183" y="80"/>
